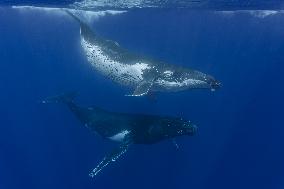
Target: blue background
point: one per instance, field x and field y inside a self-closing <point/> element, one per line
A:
<point x="240" y="138"/>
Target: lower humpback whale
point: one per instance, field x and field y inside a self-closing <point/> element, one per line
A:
<point x="142" y="74"/>
<point x="125" y="128"/>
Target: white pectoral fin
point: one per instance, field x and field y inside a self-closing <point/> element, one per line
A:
<point x="111" y="157"/>
<point x="142" y="89"/>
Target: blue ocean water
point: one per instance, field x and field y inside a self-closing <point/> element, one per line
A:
<point x="240" y="139"/>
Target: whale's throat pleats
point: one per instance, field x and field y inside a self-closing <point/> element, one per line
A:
<point x="112" y="67"/>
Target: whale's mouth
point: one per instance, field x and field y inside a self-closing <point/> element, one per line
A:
<point x="193" y="129"/>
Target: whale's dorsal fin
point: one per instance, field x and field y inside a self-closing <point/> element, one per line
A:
<point x="111" y="157"/>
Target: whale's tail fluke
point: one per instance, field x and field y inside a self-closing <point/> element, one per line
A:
<point x="62" y="98"/>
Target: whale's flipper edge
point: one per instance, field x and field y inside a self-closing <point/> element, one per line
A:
<point x="175" y="144"/>
<point x="111" y="157"/>
<point x="142" y="89"/>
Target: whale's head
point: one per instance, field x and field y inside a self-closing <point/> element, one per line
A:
<point x="180" y="127"/>
<point x="166" y="127"/>
<point x="169" y="127"/>
<point x="212" y="83"/>
<point x="178" y="79"/>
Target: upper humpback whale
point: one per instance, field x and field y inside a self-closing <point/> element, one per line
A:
<point x="125" y="128"/>
<point x="142" y="74"/>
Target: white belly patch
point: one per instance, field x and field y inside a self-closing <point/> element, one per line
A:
<point x="119" y="137"/>
<point x="127" y="74"/>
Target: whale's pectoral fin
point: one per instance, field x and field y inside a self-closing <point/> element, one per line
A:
<point x="175" y="144"/>
<point x="111" y="157"/>
<point x="143" y="88"/>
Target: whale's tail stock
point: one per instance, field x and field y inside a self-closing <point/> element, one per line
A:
<point x="73" y="16"/>
<point x="62" y="98"/>
<point x="85" y="29"/>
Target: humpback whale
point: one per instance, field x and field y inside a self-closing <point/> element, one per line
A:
<point x="142" y="74"/>
<point x="125" y="128"/>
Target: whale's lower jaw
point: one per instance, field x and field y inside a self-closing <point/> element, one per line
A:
<point x="175" y="86"/>
<point x="125" y="74"/>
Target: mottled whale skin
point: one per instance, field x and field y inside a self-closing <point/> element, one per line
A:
<point x="142" y="74"/>
<point x="125" y="128"/>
